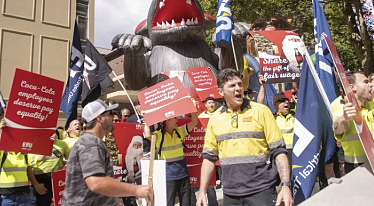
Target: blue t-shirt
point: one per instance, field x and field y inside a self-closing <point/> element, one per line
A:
<point x="176" y="170"/>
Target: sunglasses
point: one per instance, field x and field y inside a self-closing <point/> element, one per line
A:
<point x="282" y="100"/>
<point x="126" y="115"/>
<point x="116" y="120"/>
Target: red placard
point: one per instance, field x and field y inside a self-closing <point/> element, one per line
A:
<point x="191" y="90"/>
<point x="193" y="153"/>
<point x="361" y="127"/>
<point x="32" y="113"/>
<point x="58" y="185"/>
<point x="165" y="100"/>
<point x="204" y="82"/>
<point x="280" y="55"/>
<point x="123" y="133"/>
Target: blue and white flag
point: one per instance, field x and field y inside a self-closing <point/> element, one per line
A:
<point x="325" y="70"/>
<point x="324" y="66"/>
<point x="73" y="90"/>
<point x="224" y="23"/>
<point x="313" y="120"/>
<point x="2" y="104"/>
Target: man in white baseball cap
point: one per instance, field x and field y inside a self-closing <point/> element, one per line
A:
<point x="89" y="172"/>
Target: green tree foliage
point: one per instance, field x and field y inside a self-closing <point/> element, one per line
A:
<point x="355" y="52"/>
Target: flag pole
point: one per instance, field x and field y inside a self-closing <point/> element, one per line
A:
<point x="318" y="82"/>
<point x="128" y="96"/>
<point x="233" y="49"/>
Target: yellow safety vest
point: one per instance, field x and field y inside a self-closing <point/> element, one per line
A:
<point x="14" y="170"/>
<point x="353" y="150"/>
<point x="286" y="125"/>
<point x="171" y="147"/>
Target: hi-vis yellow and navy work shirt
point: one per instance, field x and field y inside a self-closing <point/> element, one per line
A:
<point x="246" y="149"/>
<point x="353" y="150"/>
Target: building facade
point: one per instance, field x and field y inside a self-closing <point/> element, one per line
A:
<point x="36" y="35"/>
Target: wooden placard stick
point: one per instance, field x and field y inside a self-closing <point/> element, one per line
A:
<point x="151" y="164"/>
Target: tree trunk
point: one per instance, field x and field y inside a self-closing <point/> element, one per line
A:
<point x="355" y="39"/>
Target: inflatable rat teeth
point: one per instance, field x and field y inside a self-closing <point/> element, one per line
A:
<point x="173" y="39"/>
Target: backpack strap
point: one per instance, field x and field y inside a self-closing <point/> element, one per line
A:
<point x="26" y="159"/>
<point x="3" y="159"/>
<point x="179" y="136"/>
<point x="163" y="137"/>
<point x="162" y="142"/>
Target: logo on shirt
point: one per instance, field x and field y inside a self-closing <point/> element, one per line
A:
<point x="168" y="114"/>
<point x="247" y="119"/>
<point x="26" y="145"/>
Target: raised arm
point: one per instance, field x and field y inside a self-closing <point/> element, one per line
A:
<point x="193" y="123"/>
<point x="261" y="92"/>
<point x="340" y="124"/>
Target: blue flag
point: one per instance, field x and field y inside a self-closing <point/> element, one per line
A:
<point x="313" y="122"/>
<point x="224" y="23"/>
<point x="270" y="92"/>
<point x="73" y="90"/>
<point x="325" y="70"/>
<point x="324" y="64"/>
<point x="2" y="104"/>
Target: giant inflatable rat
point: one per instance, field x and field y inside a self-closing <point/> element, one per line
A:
<point x="173" y="39"/>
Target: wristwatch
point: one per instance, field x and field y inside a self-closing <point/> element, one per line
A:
<point x="288" y="184"/>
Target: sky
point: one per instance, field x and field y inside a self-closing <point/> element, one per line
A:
<point x="114" y="17"/>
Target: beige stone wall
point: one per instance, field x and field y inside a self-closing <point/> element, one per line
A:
<point x="36" y="35"/>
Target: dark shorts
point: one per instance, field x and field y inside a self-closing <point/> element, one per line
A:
<point x="267" y="197"/>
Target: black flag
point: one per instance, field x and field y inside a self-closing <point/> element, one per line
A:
<point x="96" y="75"/>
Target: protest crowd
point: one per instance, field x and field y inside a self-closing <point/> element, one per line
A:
<point x="251" y="124"/>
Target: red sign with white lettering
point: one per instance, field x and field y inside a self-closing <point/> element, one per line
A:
<point x="32" y="113"/>
<point x="361" y="127"/>
<point x="165" y="100"/>
<point x="193" y="153"/>
<point x="123" y="133"/>
<point x="58" y="185"/>
<point x="280" y="55"/>
<point x="204" y="82"/>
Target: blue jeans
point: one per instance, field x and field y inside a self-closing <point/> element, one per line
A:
<point x="21" y="199"/>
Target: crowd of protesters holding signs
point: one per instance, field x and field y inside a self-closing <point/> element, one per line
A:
<point x="253" y="148"/>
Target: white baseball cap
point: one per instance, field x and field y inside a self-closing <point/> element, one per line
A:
<point x="95" y="108"/>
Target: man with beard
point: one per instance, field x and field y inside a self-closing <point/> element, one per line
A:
<point x="133" y="156"/>
<point x="294" y="49"/>
<point x="343" y="125"/>
<point x="244" y="136"/>
<point x="89" y="174"/>
<point x="132" y="170"/>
